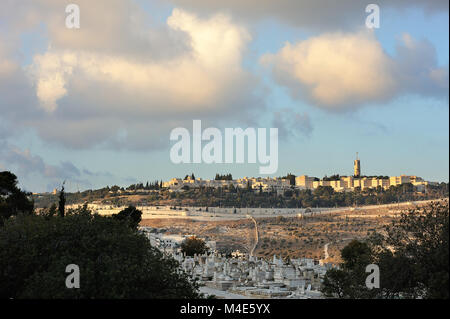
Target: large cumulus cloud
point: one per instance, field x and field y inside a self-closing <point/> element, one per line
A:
<point x="195" y="80"/>
<point x="122" y="82"/>
<point x="339" y="71"/>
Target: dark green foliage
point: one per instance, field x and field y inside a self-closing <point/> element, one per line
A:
<point x="415" y="253"/>
<point x="356" y="253"/>
<point x="49" y="212"/>
<point x="62" y="202"/>
<point x="115" y="261"/>
<point x="225" y="177"/>
<point x="136" y="188"/>
<point x="130" y="215"/>
<point x="349" y="280"/>
<point x="336" y="283"/>
<point x="12" y="200"/>
<point x="412" y="255"/>
<point x="192" y="176"/>
<point x="193" y="245"/>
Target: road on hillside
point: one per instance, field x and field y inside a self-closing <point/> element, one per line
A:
<point x="256" y="235"/>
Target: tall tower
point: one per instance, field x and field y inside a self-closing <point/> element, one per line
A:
<point x="357" y="166"/>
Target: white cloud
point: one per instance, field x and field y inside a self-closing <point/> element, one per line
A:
<point x="51" y="71"/>
<point x="345" y="70"/>
<point x="90" y="96"/>
<point x="198" y="79"/>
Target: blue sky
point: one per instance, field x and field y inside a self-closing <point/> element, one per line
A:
<point x="50" y="132"/>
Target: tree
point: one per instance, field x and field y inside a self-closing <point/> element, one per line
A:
<point x="62" y="201"/>
<point x="412" y="254"/>
<point x="193" y="245"/>
<point x="225" y="177"/>
<point x="349" y="280"/>
<point x="288" y="193"/>
<point x="49" y="212"/>
<point x="12" y="200"/>
<point x="115" y="261"/>
<point x="336" y="283"/>
<point x="131" y="215"/>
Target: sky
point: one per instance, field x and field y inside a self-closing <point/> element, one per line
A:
<point x="95" y="105"/>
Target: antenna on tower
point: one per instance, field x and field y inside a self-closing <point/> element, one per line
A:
<point x="357" y="156"/>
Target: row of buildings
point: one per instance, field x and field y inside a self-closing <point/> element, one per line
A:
<point x="342" y="183"/>
<point x="338" y="183"/>
<point x="256" y="183"/>
<point x="349" y="183"/>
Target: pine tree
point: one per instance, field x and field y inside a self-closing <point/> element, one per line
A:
<point x="62" y="201"/>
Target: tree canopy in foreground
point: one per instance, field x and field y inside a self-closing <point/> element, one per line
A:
<point x="412" y="255"/>
<point x="12" y="200"/>
<point x="115" y="260"/>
